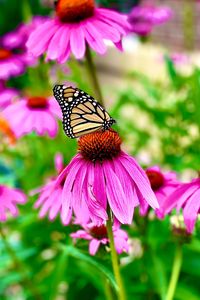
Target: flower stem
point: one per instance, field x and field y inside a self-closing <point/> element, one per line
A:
<point x="19" y="265"/>
<point x="175" y="272"/>
<point x="93" y="75"/>
<point x="115" y="264"/>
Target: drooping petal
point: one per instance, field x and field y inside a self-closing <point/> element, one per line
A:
<point x="116" y="196"/>
<point x="77" y="41"/>
<point x="94" y="246"/>
<point x="39" y="39"/>
<point x="97" y="212"/>
<point x="94" y="39"/>
<point x="68" y="188"/>
<point x="99" y="185"/>
<point x="190" y="211"/>
<point x="140" y="178"/>
<point x="178" y="198"/>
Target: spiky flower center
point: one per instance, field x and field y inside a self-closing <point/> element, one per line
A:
<point x="4" y="54"/>
<point x="99" y="232"/>
<point x="156" y="179"/>
<point x="37" y="102"/>
<point x="6" y="131"/>
<point x="72" y="11"/>
<point x="100" y="145"/>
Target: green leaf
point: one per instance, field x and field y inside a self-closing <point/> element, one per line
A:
<point x="72" y="251"/>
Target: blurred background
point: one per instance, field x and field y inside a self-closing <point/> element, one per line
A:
<point x="152" y="89"/>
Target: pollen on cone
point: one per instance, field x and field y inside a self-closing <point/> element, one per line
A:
<point x="100" y="145"/>
<point x="156" y="179"/>
<point x="37" y="102"/>
<point x="4" y="54"/>
<point x="74" y="10"/>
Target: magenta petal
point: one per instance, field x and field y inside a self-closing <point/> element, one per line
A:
<point x="79" y="205"/>
<point x="94" y="39"/>
<point x="53" y="47"/>
<point x="140" y="178"/>
<point x="119" y="46"/>
<point x="116" y="196"/>
<point x="190" y="211"/>
<point x="77" y="41"/>
<point x="178" y="198"/>
<point x="106" y="31"/>
<point x="56" y="206"/>
<point x="99" y="185"/>
<point x="68" y="188"/>
<point x="94" y="246"/>
<point x="97" y="211"/>
<point x="39" y="40"/>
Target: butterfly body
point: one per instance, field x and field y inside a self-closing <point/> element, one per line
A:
<point x="82" y="114"/>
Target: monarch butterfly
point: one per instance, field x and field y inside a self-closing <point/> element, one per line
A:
<point x="82" y="114"/>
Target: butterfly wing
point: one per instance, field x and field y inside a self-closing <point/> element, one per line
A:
<point x="82" y="114"/>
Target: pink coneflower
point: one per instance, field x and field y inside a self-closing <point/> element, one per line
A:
<point x="97" y="235"/>
<point x="101" y="175"/>
<point x="49" y="200"/>
<point x="7" y="95"/>
<point x="33" y="114"/>
<point x="17" y="38"/>
<point x="11" y="64"/>
<point x="163" y="184"/>
<point x="9" y="198"/>
<point x="143" y="18"/>
<point x="187" y="197"/>
<point x="77" y="24"/>
<point x="14" y="57"/>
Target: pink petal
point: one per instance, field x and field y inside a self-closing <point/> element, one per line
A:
<point x="40" y="37"/>
<point x="190" y="211"/>
<point x="99" y="185"/>
<point x="68" y="188"/>
<point x="94" y="246"/>
<point x="116" y="196"/>
<point x="94" y="39"/>
<point x="140" y="178"/>
<point x="178" y="198"/>
<point x="77" y="41"/>
<point x="56" y="207"/>
<point x="97" y="211"/>
<point x="106" y="31"/>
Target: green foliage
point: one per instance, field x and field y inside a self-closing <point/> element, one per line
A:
<point x="38" y="259"/>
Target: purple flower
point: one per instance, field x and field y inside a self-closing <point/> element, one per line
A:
<point x="102" y="174"/>
<point x="13" y="54"/>
<point x="17" y="38"/>
<point x="6" y="96"/>
<point x="11" y="64"/>
<point x="49" y="200"/>
<point x="143" y="18"/>
<point x="97" y="235"/>
<point x="33" y="114"/>
<point x="77" y="24"/>
<point x="9" y="198"/>
<point x="187" y="197"/>
<point x="163" y="184"/>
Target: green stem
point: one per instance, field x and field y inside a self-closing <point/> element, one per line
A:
<point x="93" y="75"/>
<point x="175" y="272"/>
<point x="108" y="290"/>
<point x="115" y="264"/>
<point x="26" y="11"/>
<point x="19" y="265"/>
